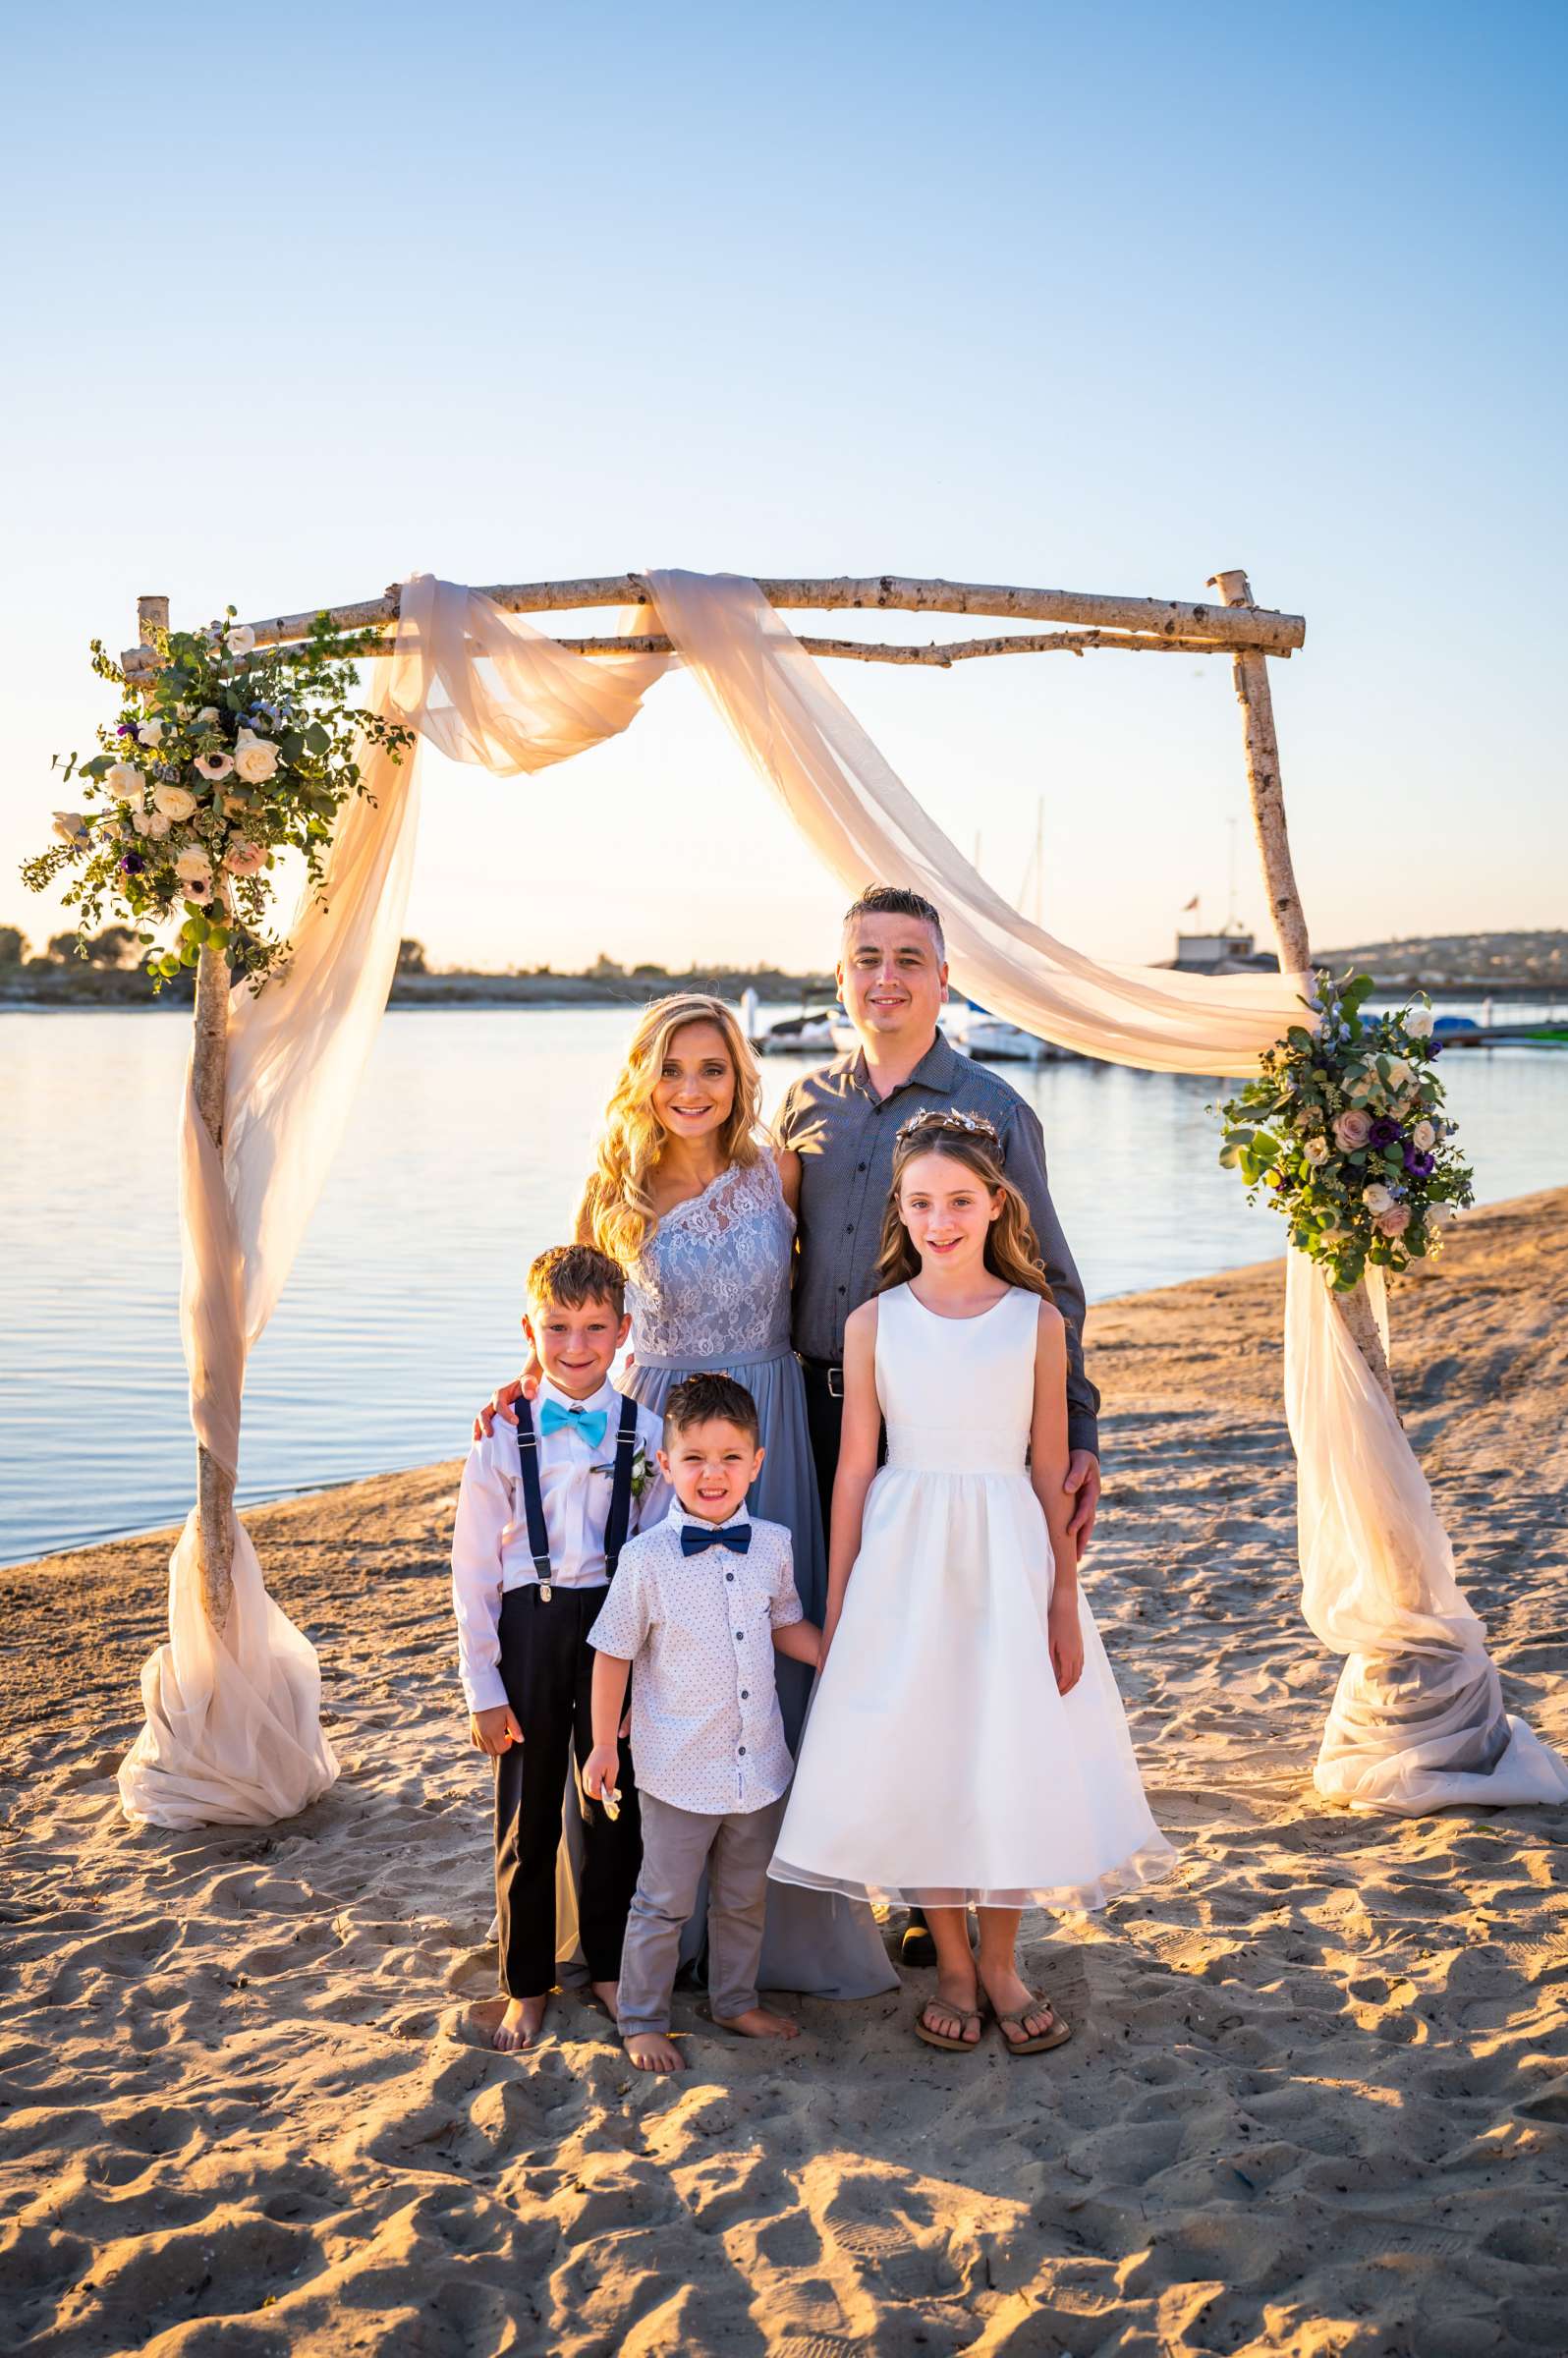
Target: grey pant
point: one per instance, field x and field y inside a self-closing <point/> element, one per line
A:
<point x="677" y="1844"/>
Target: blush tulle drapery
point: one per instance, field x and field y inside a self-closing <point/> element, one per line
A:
<point x="233" y="1730"/>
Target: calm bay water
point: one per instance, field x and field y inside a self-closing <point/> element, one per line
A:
<point x="468" y="1144"/>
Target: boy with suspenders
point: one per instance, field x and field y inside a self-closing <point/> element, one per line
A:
<point x="544" y="1509"/>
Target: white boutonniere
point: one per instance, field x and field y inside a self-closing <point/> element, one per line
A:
<point x="642" y="1470"/>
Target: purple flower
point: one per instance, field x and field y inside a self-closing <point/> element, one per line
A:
<point x="1435" y="1047"/>
<point x="1421" y="1166"/>
<point x="125" y="729"/>
<point x="131" y="864"/>
<point x="1384" y="1131"/>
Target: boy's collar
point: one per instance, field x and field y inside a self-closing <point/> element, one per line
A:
<point x="550" y="1390"/>
<point x="679" y="1516"/>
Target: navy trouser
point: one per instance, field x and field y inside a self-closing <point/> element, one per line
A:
<point x="547" y="1669"/>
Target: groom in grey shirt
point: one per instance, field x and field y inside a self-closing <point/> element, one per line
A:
<point x="843" y="1122"/>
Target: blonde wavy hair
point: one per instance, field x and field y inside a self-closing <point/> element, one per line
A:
<point x="617" y="1212"/>
<point x="1012" y="1252"/>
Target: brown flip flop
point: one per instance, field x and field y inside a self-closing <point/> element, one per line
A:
<point x="1057" y="2036"/>
<point x="966" y="2014"/>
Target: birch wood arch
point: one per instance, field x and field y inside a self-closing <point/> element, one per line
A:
<point x="232" y="1702"/>
<point x="1231" y="625"/>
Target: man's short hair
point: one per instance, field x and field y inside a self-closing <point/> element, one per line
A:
<point x="571" y="1274"/>
<point x="705" y="1399"/>
<point x="897" y="900"/>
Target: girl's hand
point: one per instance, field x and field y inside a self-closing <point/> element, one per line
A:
<point x="1066" y="1642"/>
<point x="600" y="1772"/>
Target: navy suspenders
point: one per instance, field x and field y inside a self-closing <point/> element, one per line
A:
<point x="619" y="1515"/>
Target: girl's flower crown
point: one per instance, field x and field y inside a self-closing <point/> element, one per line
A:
<point x="949" y="1118"/>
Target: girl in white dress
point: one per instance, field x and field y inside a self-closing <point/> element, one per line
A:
<point x="966" y="1746"/>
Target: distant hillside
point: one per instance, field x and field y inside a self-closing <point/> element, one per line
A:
<point x="1489" y="960"/>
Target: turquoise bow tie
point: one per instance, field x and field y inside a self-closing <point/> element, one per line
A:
<point x="590" y="1422"/>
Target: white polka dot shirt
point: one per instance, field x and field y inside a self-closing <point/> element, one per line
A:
<point x="698" y="1630"/>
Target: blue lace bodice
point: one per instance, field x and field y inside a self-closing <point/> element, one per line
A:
<point x="712" y="1283"/>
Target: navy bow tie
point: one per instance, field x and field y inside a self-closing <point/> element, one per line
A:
<point x="694" y="1536"/>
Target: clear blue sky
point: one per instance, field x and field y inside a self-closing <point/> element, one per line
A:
<point x="1102" y="298"/>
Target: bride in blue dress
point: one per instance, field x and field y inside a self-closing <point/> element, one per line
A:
<point x="689" y="1195"/>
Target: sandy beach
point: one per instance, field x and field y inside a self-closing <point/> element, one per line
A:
<point x="1316" y="2101"/>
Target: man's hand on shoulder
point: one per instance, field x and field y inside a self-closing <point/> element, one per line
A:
<point x="1082" y="1484"/>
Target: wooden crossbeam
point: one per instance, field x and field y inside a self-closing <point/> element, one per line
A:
<point x="1134" y="625"/>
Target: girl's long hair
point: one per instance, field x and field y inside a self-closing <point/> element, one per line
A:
<point x="1012" y="1252"/>
<point x="617" y="1212"/>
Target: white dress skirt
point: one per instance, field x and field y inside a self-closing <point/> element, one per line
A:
<point x="941" y="1765"/>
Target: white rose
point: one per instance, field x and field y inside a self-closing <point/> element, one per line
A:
<point x="1376" y="1198"/>
<point x="1400" y="1075"/>
<point x="124" y="781"/>
<point x="194" y="868"/>
<point x="207" y="718"/>
<point x="255" y="761"/>
<point x="71" y="826"/>
<point x="1315" y="1151"/>
<point x="173" y="800"/>
<point x="1439" y="1215"/>
<point x="149" y="732"/>
<point x="242" y="640"/>
<point x="1419" y="1023"/>
<point x="150" y="823"/>
<point x="1424" y="1138"/>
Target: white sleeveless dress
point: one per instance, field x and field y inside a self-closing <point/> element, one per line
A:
<point x="940" y="1764"/>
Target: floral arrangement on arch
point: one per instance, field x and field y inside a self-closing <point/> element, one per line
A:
<point x="225" y="756"/>
<point x="1344" y="1130"/>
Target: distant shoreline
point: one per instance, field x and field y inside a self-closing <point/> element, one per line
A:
<point x="93" y="990"/>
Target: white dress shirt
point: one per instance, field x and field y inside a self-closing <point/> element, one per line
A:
<point x="490" y="1550"/>
<point x="706" y="1733"/>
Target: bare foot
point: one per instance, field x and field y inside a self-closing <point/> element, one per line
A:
<point x="651" y="2050"/>
<point x="520" y="2025"/>
<point x="608" y="1995"/>
<point x="758" y="2023"/>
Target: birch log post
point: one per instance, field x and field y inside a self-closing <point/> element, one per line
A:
<point x="209" y="1073"/>
<point x="1251" y="671"/>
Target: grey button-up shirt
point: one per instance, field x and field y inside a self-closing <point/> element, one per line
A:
<point x="844" y="1134"/>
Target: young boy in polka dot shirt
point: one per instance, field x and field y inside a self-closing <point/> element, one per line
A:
<point x="700" y="1605"/>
